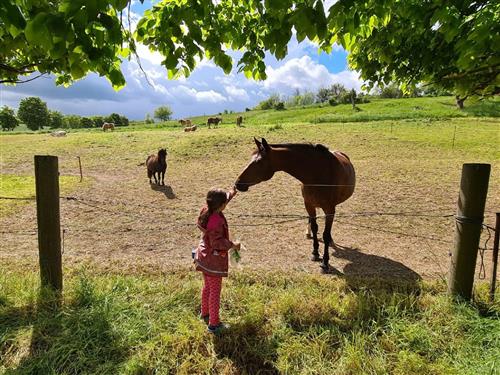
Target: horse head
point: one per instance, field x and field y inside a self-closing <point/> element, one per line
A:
<point x="259" y="169"/>
<point x="162" y="154"/>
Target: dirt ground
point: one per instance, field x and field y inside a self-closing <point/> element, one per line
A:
<point x="120" y="221"/>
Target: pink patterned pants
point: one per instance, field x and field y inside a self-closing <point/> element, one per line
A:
<point x="210" y="298"/>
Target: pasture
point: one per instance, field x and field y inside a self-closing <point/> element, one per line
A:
<point x="134" y="239"/>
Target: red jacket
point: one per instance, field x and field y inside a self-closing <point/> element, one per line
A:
<point x="212" y="253"/>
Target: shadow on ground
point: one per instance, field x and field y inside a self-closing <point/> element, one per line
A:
<point x="67" y="338"/>
<point x="247" y="349"/>
<point x="165" y="189"/>
<point x="368" y="270"/>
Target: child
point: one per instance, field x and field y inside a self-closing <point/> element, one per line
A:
<point x="211" y="256"/>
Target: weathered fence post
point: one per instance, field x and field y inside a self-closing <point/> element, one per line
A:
<point x="48" y="219"/>
<point x="495" y="258"/>
<point x="468" y="223"/>
<point x="80" y="164"/>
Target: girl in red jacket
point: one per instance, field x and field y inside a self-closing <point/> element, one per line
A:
<point x="211" y="256"/>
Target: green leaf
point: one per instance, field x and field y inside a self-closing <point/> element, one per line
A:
<point x="117" y="79"/>
<point x="37" y="33"/>
<point x="14" y="15"/>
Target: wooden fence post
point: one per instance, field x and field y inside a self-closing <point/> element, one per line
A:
<point x="495" y="258"/>
<point x="80" y="164"/>
<point x="468" y="223"/>
<point x="48" y="219"/>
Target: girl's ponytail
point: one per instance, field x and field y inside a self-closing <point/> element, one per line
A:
<point x="216" y="198"/>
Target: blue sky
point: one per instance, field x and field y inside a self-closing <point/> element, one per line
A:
<point x="208" y="90"/>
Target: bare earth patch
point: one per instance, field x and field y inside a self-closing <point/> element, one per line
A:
<point x="120" y="221"/>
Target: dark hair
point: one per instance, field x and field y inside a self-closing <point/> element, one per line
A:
<point x="216" y="198"/>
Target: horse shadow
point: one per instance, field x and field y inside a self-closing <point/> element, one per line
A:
<point x="373" y="271"/>
<point x="165" y="189"/>
<point x="56" y="325"/>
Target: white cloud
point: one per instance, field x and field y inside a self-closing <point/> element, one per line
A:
<point x="305" y="74"/>
<point x="186" y="94"/>
<point x="145" y="53"/>
<point x="236" y="93"/>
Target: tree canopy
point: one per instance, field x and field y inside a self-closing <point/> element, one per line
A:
<point x="453" y="44"/>
<point x="163" y="113"/>
<point x="33" y="113"/>
<point x="8" y="120"/>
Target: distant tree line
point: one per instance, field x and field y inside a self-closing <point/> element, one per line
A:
<point x="339" y="94"/>
<point x="34" y="113"/>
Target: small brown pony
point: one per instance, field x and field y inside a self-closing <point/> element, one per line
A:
<point x="157" y="164"/>
<point x="213" y="121"/>
<point x="239" y="120"/>
<point x="184" y="122"/>
<point x="108" y="125"/>
<point x="328" y="179"/>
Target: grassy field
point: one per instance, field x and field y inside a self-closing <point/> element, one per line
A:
<point x="130" y="300"/>
<point x="280" y="323"/>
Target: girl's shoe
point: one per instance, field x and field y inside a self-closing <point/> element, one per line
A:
<point x="205" y="318"/>
<point x="218" y="329"/>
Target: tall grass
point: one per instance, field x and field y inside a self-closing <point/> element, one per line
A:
<point x="291" y="324"/>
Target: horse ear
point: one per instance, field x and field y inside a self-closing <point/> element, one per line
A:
<point x="265" y="145"/>
<point x="259" y="145"/>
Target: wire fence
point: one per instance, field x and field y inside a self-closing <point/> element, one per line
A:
<point x="273" y="219"/>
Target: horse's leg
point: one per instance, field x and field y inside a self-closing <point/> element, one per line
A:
<point x="311" y="211"/>
<point x="154" y="176"/>
<point x="327" y="238"/>
<point x="163" y="177"/>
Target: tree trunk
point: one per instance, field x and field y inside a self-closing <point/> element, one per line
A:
<point x="460" y="101"/>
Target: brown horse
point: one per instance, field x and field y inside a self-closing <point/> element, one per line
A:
<point x="157" y="164"/>
<point x="184" y="122"/>
<point x="328" y="179"/>
<point x="239" y="120"/>
<point x="213" y="121"/>
<point x="108" y="126"/>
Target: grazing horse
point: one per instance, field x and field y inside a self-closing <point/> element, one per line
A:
<point x="328" y="179"/>
<point x="213" y="121"/>
<point x="184" y="122"/>
<point x="157" y="164"/>
<point x="108" y="125"/>
<point x="239" y="120"/>
<point x="58" y="133"/>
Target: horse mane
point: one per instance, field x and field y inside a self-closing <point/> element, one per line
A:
<point x="302" y="146"/>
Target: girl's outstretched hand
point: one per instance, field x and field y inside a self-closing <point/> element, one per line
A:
<point x="236" y="246"/>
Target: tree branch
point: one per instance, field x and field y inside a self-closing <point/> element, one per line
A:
<point x="19" y="70"/>
<point x="19" y="81"/>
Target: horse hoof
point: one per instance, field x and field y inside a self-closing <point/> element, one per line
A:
<point x="324" y="268"/>
<point x="315" y="258"/>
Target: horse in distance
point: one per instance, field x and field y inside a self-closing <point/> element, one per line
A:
<point x="157" y="165"/>
<point x="328" y="179"/>
<point x="239" y="120"/>
<point x="213" y="121"/>
<point x="185" y="122"/>
<point x="108" y="126"/>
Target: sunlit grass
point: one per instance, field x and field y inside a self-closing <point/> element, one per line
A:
<point x="290" y="324"/>
<point x="20" y="187"/>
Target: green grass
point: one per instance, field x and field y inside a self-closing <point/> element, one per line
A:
<point x="14" y="186"/>
<point x="377" y="110"/>
<point x="290" y="324"/>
